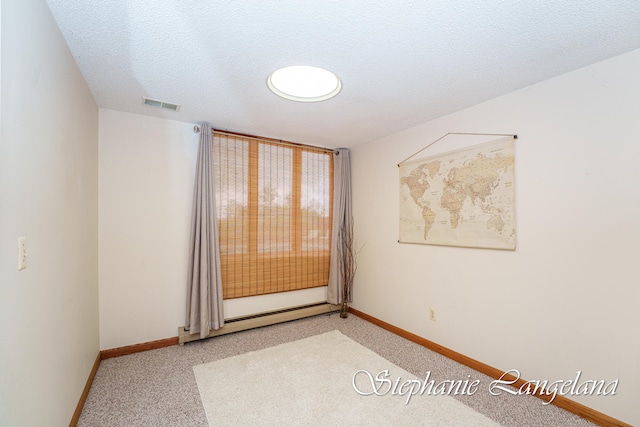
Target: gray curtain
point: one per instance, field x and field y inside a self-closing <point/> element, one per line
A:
<point x="204" y="284"/>
<point x="342" y="221"/>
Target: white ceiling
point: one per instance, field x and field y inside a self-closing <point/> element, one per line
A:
<point x="401" y="62"/>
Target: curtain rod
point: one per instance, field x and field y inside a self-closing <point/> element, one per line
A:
<point x="196" y="129"/>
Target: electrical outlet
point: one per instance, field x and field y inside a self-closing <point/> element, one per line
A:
<point x="432" y="314"/>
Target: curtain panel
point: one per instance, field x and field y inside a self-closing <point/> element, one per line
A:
<point x="204" y="281"/>
<point x="342" y="225"/>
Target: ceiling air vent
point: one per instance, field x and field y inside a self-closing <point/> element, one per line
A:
<point x="160" y="104"/>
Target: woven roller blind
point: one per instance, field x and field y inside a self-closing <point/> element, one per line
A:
<point x="274" y="215"/>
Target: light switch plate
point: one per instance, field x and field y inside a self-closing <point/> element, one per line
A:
<point x="22" y="253"/>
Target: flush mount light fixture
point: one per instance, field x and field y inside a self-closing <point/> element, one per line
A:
<point x="304" y="83"/>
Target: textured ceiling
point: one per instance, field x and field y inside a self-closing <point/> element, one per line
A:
<point x="401" y="62"/>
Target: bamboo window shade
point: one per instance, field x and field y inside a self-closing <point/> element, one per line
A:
<point x="274" y="206"/>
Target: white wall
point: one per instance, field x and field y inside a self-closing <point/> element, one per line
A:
<point x="48" y="193"/>
<point x="566" y="299"/>
<point x="147" y="168"/>
<point x="145" y="188"/>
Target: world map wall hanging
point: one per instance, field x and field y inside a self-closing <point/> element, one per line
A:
<point x="460" y="198"/>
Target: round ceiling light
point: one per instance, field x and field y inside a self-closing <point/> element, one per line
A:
<point x="304" y="83"/>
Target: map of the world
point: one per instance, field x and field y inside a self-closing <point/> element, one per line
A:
<point x="461" y="198"/>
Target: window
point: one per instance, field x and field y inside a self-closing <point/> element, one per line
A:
<point x="274" y="215"/>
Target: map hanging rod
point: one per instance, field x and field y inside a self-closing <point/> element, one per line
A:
<point x="457" y="133"/>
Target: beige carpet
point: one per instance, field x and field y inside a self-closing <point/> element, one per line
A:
<point x="310" y="382"/>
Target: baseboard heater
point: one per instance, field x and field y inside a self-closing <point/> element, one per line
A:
<point x="262" y="319"/>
